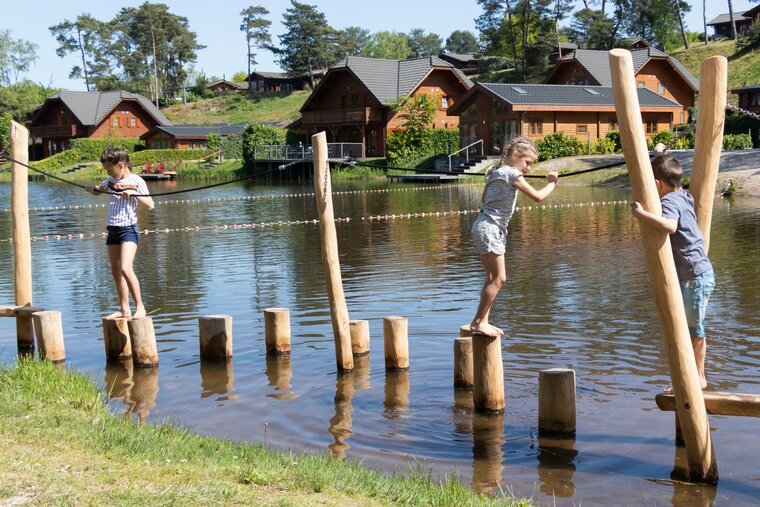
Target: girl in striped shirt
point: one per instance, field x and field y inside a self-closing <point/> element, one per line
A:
<point x="126" y="191"/>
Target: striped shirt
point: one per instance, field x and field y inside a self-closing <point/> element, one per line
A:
<point x="500" y="195"/>
<point x="121" y="209"/>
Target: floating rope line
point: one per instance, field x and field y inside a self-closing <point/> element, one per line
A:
<point x="282" y="223"/>
<point x="258" y="197"/>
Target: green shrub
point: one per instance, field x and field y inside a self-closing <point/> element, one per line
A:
<point x="5" y="130"/>
<point x="737" y="142"/>
<point x="603" y="146"/>
<point x="145" y="156"/>
<point x="256" y="134"/>
<point x="557" y="145"/>
<point x="60" y="160"/>
<point x="92" y="147"/>
<point x="665" y="137"/>
<point x="419" y="147"/>
<point x="684" y="142"/>
<point x="614" y="136"/>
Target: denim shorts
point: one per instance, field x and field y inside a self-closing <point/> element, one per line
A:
<point x="488" y="237"/>
<point x="118" y="235"/>
<point x="696" y="292"/>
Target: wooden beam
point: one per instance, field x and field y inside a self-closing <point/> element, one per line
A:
<point x="718" y="403"/>
<point x="19" y="311"/>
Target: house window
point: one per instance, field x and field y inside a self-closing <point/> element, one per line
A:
<point x="133" y="122"/>
<point x="444" y="102"/>
<point x="581" y="129"/>
<point x="354" y="101"/>
<point x="115" y="121"/>
<point x="651" y="127"/>
<point x="536" y="126"/>
<point x="660" y="88"/>
<point x="756" y="99"/>
<point x="613" y="123"/>
<point x="682" y="116"/>
<point x="642" y="84"/>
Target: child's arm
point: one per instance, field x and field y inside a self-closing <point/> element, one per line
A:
<point x="538" y="195"/>
<point x="144" y="200"/>
<point x="663" y="224"/>
<point x="91" y="188"/>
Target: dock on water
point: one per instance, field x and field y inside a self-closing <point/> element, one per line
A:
<point x="429" y="178"/>
<point x="166" y="175"/>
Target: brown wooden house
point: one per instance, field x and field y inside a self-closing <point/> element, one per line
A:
<point x="70" y="114"/>
<point x="273" y="82"/>
<point x="187" y="137"/>
<point x="742" y="21"/>
<point x="224" y="86"/>
<point x="496" y="112"/>
<point x="352" y="103"/>
<point x="654" y="70"/>
<point x="749" y="97"/>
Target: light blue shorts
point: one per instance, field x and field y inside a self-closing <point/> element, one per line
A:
<point x="696" y="293"/>
<point x="488" y="237"/>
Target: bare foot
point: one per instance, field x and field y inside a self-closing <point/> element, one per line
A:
<point x="486" y="329"/>
<point x="119" y="315"/>
<point x="669" y="389"/>
<point x="139" y="313"/>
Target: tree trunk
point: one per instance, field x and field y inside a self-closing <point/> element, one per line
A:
<point x="733" y="23"/>
<point x="704" y="20"/>
<point x="680" y="24"/>
<point x="250" y="83"/>
<point x="84" y="61"/>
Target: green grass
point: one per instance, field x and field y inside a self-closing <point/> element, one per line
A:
<point x="743" y="67"/>
<point x="61" y="446"/>
<point x="239" y="107"/>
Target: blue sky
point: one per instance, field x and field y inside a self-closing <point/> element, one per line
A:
<point x="217" y="24"/>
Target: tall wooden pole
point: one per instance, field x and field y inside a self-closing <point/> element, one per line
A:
<point x="662" y="275"/>
<point x="22" y="243"/>
<point x="711" y="110"/>
<point x="338" y="309"/>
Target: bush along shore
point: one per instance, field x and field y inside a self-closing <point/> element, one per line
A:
<point x="61" y="446"/>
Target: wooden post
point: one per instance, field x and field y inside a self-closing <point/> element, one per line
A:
<point x="22" y="242"/>
<point x="359" y="330"/>
<point x="116" y="339"/>
<point x="49" y="331"/>
<point x="662" y="275"/>
<point x="464" y="330"/>
<point x="396" y="341"/>
<point x="488" y="377"/>
<point x="463" y="372"/>
<point x="144" y="351"/>
<point x="277" y="330"/>
<point x="711" y="107"/>
<point x="556" y="402"/>
<point x="338" y="309"/>
<point x="215" y="333"/>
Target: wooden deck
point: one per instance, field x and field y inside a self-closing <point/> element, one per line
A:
<point x="166" y="175"/>
<point x="429" y="178"/>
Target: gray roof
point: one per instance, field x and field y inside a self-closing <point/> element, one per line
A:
<point x="596" y="62"/>
<point x="389" y="79"/>
<point x="747" y="88"/>
<point x="568" y="95"/>
<point x="198" y="131"/>
<point x="234" y="84"/>
<point x="91" y="107"/>
<point x="726" y="18"/>
<point x="461" y="57"/>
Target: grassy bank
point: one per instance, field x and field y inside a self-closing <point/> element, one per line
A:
<point x="62" y="447"/>
<point x="239" y="107"/>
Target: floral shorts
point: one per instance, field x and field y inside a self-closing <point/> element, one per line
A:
<point x="488" y="237"/>
<point x="696" y="292"/>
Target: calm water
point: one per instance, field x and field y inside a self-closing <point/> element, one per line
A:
<point x="577" y="297"/>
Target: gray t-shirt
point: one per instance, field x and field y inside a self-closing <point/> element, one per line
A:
<point x="687" y="242"/>
<point x="500" y="196"/>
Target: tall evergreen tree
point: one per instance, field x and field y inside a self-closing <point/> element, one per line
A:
<point x="352" y="41"/>
<point x="422" y="44"/>
<point x="88" y="37"/>
<point x="308" y="43"/>
<point x="257" y="35"/>
<point x="462" y="42"/>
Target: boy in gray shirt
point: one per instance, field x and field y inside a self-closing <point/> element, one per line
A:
<point x="695" y="272"/>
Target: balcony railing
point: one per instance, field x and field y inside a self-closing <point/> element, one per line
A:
<point x="305" y="152"/>
<point x="362" y="115"/>
<point x="72" y="130"/>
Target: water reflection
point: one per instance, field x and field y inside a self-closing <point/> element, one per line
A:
<point x="556" y="466"/>
<point x="396" y="394"/>
<point x="687" y="494"/>
<point x="217" y="378"/>
<point x="136" y="387"/>
<point x="487" y="453"/>
<point x="341" y="422"/>
<point x="279" y="373"/>
<point x="362" y="372"/>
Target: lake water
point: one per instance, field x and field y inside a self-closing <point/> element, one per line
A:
<point x="577" y="296"/>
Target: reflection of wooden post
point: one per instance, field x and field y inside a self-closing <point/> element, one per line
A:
<point x="330" y="260"/>
<point x="22" y="242"/>
<point x="215" y="333"/>
<point x="396" y="394"/>
<point x="487" y="453"/>
<point x="556" y="402"/>
<point x="116" y="338"/>
<point x="144" y="351"/>
<point x="488" y="378"/>
<point x="341" y="422"/>
<point x="711" y="106"/>
<point x="359" y="337"/>
<point x="49" y="331"/>
<point x="463" y="363"/>
<point x="662" y="274"/>
<point x="396" y="341"/>
<point x="277" y="330"/>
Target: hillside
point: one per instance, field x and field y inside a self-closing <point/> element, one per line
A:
<point x="238" y="107"/>
<point x="743" y="67"/>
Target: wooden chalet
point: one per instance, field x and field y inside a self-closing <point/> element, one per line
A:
<point x="496" y="112"/>
<point x="273" y="82"/>
<point x="749" y="97"/>
<point x="721" y="24"/>
<point x="187" y="137"/>
<point x="654" y="70"/>
<point x="71" y="114"/>
<point x="224" y="86"/>
<point x="353" y="101"/>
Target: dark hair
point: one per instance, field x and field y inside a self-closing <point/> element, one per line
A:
<point x="666" y="168"/>
<point x="114" y="155"/>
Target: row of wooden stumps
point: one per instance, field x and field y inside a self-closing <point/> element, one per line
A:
<point x="556" y="386"/>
